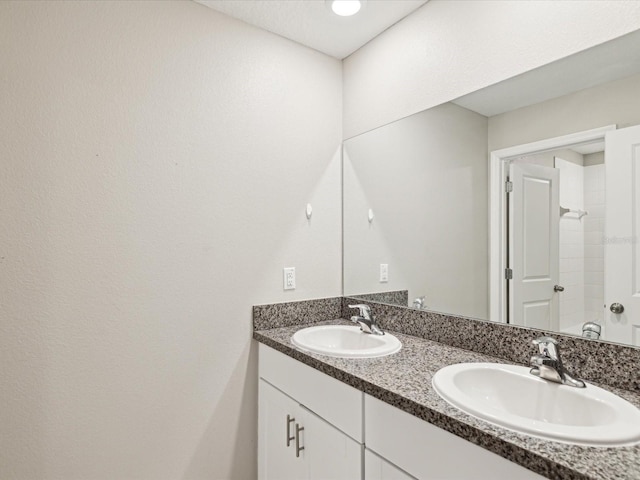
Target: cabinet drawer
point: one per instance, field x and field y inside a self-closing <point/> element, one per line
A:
<point x="336" y="402"/>
<point x="426" y="451"/>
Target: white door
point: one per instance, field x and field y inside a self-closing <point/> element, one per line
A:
<point x="329" y="453"/>
<point x="534" y="215"/>
<point x="278" y="416"/>
<point x="622" y="227"/>
<point x="296" y="444"/>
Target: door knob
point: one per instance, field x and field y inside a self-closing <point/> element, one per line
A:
<point x="616" y="308"/>
<point x="558" y="288"/>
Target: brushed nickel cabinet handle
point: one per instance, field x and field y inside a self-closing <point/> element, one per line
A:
<point x="298" y="447"/>
<point x="290" y="420"/>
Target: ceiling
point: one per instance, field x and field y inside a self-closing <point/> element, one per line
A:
<point x="312" y="23"/>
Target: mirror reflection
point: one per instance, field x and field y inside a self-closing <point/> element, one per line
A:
<point x="516" y="203"/>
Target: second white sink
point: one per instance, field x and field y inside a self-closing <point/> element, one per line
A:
<point x="345" y="341"/>
<point x="509" y="396"/>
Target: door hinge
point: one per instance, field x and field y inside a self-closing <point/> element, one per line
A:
<point x="508" y="274"/>
<point x="508" y="186"/>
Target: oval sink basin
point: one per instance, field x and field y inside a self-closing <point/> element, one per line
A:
<point x="509" y="396"/>
<point x="345" y="341"/>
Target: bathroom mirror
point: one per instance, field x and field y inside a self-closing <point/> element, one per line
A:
<point x="428" y="222"/>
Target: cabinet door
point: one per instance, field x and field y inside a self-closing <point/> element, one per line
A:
<point x="276" y="459"/>
<point x="328" y="452"/>
<point x="376" y="468"/>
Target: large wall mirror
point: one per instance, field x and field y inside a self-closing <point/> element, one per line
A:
<point x="519" y="203"/>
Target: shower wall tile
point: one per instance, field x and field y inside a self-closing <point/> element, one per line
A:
<point x="594" y="197"/>
<point x="572" y="247"/>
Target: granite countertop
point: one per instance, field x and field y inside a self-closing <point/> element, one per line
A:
<point x="404" y="381"/>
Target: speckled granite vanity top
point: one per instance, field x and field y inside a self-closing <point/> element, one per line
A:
<point x="404" y="381"/>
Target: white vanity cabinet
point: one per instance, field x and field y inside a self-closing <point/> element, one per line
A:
<point x="428" y="452"/>
<point x="378" y="468"/>
<point x="297" y="444"/>
<point x="277" y="442"/>
<point x="310" y="425"/>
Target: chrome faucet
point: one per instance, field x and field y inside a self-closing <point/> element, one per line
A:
<point x="548" y="364"/>
<point x="366" y="320"/>
<point x="418" y="303"/>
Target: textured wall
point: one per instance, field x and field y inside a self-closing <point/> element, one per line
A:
<point x="156" y="162"/>
<point x="449" y="48"/>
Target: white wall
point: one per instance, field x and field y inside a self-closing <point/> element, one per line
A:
<point x="156" y="161"/>
<point x="611" y="103"/>
<point x="424" y="178"/>
<point x="548" y="159"/>
<point x="449" y="48"/>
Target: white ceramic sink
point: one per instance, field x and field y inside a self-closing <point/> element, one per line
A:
<point x="345" y="341"/>
<point x="509" y="396"/>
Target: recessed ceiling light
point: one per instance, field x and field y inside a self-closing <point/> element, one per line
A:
<point x="345" y="8"/>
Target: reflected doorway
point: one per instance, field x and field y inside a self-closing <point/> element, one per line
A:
<point x="592" y="282"/>
<point x="564" y="236"/>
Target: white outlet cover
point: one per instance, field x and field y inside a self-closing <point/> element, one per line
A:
<point x="289" y="278"/>
<point x="384" y="272"/>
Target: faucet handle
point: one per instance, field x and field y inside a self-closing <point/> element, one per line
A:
<point x="548" y="346"/>
<point x="365" y="310"/>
